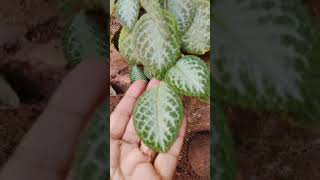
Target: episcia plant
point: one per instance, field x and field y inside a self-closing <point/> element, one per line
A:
<point x="165" y="39"/>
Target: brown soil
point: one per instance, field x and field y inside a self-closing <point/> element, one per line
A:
<point x="32" y="61"/>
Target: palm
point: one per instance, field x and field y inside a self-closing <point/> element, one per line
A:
<point x="129" y="160"/>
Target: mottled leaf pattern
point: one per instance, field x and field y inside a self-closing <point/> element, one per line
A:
<point x="126" y="46"/>
<point x="158" y="117"/>
<point x="8" y="97"/>
<point x="127" y="12"/>
<point x="196" y="40"/>
<point x="137" y="74"/>
<point x="184" y="11"/>
<point x="269" y="61"/>
<point x="157" y="42"/>
<point x="151" y="5"/>
<point x="190" y="76"/>
<point x="83" y="40"/>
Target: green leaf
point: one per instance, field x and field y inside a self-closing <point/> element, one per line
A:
<point x="157" y="42"/>
<point x="266" y="57"/>
<point x="151" y="5"/>
<point x="158" y="117"/>
<point x="196" y="40"/>
<point x="127" y="45"/>
<point x="137" y="74"/>
<point x="184" y="11"/>
<point x="128" y="12"/>
<point x="91" y="159"/>
<point x="223" y="161"/>
<point x="83" y="39"/>
<point x="8" y="97"/>
<point x="190" y="76"/>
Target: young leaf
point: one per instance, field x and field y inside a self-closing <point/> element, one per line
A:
<point x="157" y="42"/>
<point x="137" y="74"/>
<point x="190" y="76"/>
<point x="128" y="12"/>
<point x="196" y="40"/>
<point x="83" y="40"/>
<point x="184" y="11"/>
<point x="158" y="117"/>
<point x="8" y="97"/>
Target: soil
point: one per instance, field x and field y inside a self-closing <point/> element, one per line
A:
<point x="31" y="56"/>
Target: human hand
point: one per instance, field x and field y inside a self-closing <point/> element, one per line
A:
<point x="129" y="157"/>
<point x="47" y="150"/>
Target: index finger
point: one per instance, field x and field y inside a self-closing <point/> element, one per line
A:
<point x="166" y="163"/>
<point x="120" y="116"/>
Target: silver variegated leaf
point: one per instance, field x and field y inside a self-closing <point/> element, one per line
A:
<point x="196" y="40"/>
<point x="8" y="97"/>
<point x="128" y="12"/>
<point x="151" y="5"/>
<point x="146" y="72"/>
<point x="157" y="42"/>
<point x="158" y="117"/>
<point x="83" y="39"/>
<point x="126" y="46"/>
<point x="190" y="76"/>
<point x="184" y="11"/>
<point x="137" y="74"/>
<point x="267" y="56"/>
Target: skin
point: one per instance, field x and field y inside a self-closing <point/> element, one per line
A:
<point x="131" y="159"/>
<point x="47" y="150"/>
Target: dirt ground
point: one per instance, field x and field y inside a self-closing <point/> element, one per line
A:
<point x="31" y="58"/>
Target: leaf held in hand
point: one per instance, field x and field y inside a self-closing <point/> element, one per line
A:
<point x="158" y="117"/>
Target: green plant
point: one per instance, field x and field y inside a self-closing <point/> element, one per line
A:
<point x="165" y="40"/>
<point x="267" y="58"/>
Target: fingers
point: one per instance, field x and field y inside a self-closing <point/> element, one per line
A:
<point x="153" y="83"/>
<point x="165" y="163"/>
<point x="120" y="116"/>
<point x="49" y="146"/>
<point x="130" y="134"/>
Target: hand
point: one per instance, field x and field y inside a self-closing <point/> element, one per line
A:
<point x="129" y="159"/>
<point x="46" y="152"/>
